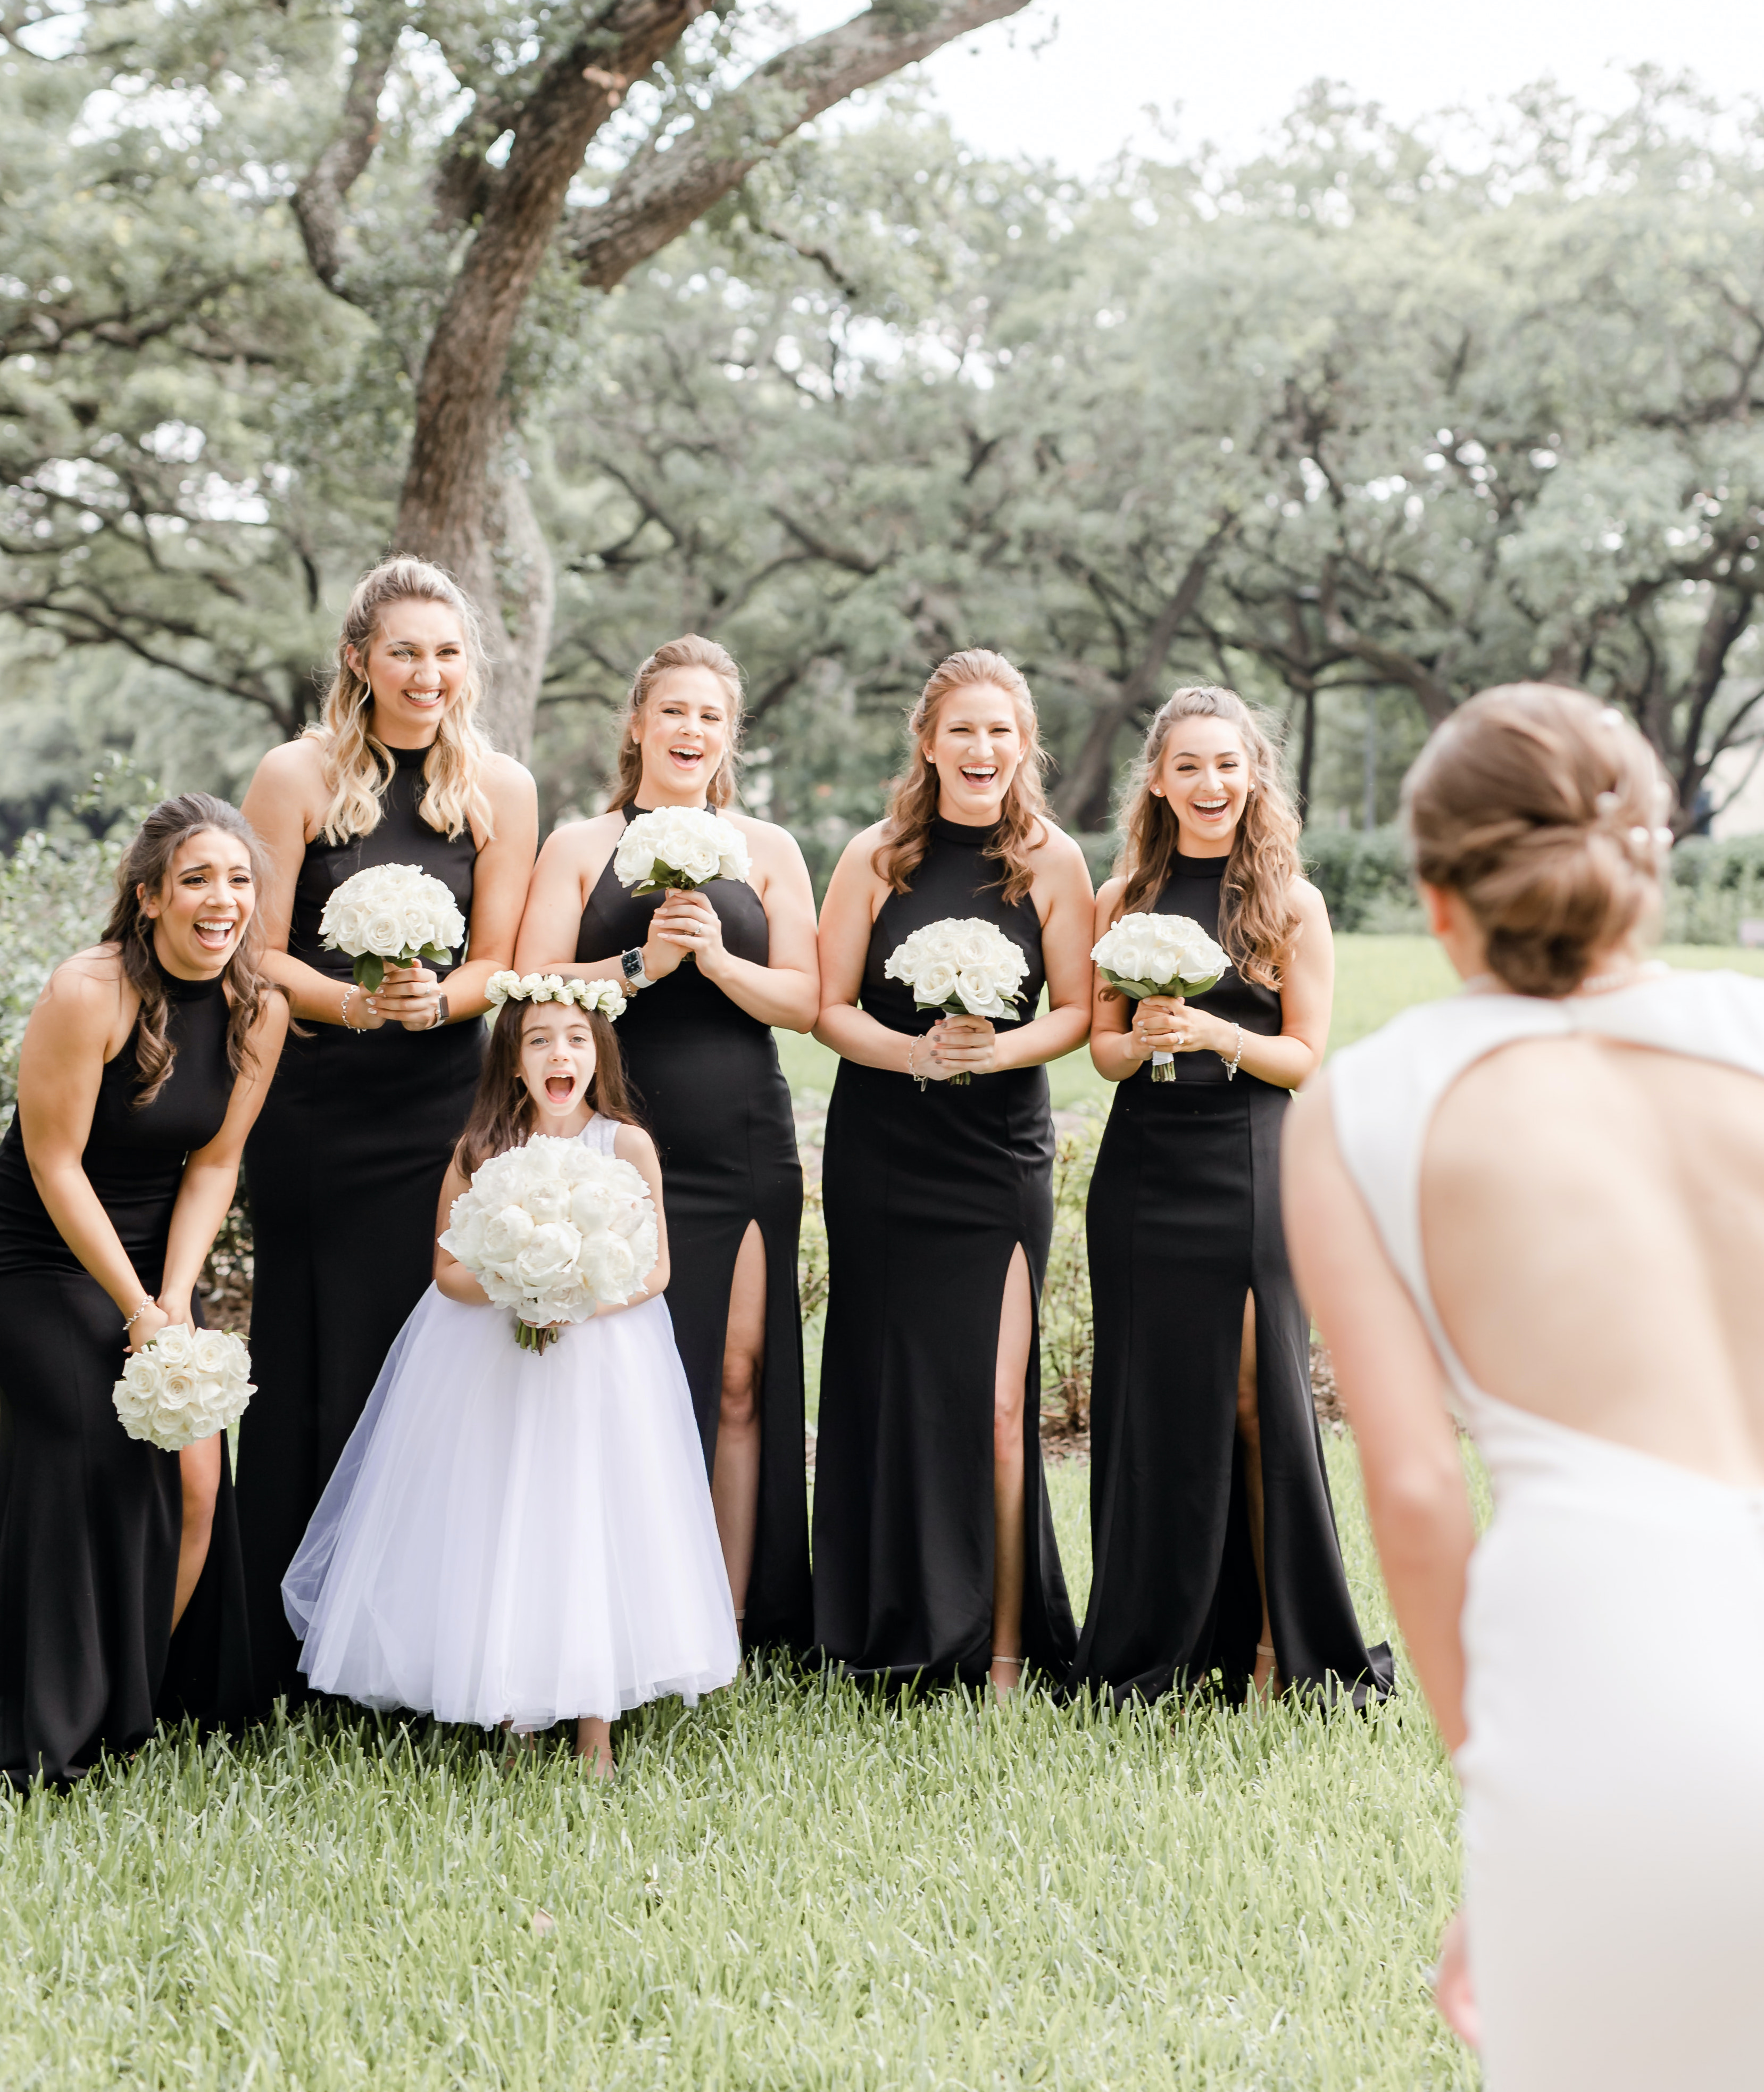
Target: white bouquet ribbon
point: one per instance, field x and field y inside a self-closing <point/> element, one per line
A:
<point x="554" y="1231"/>
<point x="963" y="965"/>
<point x="1146" y="955"/>
<point x="183" y="1384"/>
<point x="679" y="849"/>
<point x="392" y="914"/>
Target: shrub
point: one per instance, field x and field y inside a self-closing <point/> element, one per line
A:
<point x="1713" y="888"/>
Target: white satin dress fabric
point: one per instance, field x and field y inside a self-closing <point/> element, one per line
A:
<point x="1613" y="1777"/>
<point x="518" y="1536"/>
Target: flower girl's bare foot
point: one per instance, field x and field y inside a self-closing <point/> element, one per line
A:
<point x="1006" y="1675"/>
<point x="594" y="1748"/>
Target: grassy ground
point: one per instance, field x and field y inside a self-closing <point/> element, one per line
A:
<point x="791" y="1887"/>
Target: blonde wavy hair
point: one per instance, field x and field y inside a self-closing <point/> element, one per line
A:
<point x="357" y="766"/>
<point x="688" y="651"/>
<point x="913" y="800"/>
<point x="1257" y="918"/>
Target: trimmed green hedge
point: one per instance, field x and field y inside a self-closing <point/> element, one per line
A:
<point x="1712" y="887"/>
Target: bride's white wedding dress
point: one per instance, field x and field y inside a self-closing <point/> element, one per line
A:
<point x="1614" y="1635"/>
<point x="518" y="1536"/>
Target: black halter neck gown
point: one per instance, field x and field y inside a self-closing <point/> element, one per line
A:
<point x="929" y="1193"/>
<point x="91" y="1520"/>
<point x="1184" y="1219"/>
<point x="711" y="1091"/>
<point x="345" y="1166"/>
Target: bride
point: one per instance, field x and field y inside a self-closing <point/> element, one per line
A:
<point x="1542" y="1202"/>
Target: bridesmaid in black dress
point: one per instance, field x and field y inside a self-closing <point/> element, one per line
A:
<point x="1212" y="1529"/>
<point x="710" y="974"/>
<point x="122" y="1595"/>
<point x="346" y="1165"/>
<point x="934" y="1547"/>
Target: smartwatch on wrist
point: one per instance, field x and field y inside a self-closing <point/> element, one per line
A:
<point x="440" y="1011"/>
<point x="631" y="965"/>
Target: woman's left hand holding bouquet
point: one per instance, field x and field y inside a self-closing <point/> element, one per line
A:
<point x="958" y="1045"/>
<point x="1167" y="1024"/>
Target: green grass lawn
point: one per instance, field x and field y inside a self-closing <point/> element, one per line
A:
<point x="791" y="1887"/>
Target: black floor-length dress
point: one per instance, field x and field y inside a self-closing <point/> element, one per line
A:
<point x="928" y="1194"/>
<point x="91" y="1520"/>
<point x="712" y="1094"/>
<point x="344" y="1167"/>
<point x="1184" y="1219"/>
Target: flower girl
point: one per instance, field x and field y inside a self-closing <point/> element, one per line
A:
<point x="517" y="1535"/>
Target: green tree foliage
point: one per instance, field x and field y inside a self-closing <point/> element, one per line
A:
<point x="1362" y="427"/>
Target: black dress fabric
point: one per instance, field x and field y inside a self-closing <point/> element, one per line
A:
<point x="344" y="1166"/>
<point x="707" y="1080"/>
<point x="91" y="1520"/>
<point x="929" y="1193"/>
<point x="1183" y="1219"/>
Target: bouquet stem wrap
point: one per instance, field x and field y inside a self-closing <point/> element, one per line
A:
<point x="1143" y="956"/>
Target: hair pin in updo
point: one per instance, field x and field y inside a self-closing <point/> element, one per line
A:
<point x="1610" y="716"/>
<point x="1606" y="804"/>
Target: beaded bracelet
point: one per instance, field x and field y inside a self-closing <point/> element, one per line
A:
<point x="1232" y="1066"/>
<point x="133" y="1319"/>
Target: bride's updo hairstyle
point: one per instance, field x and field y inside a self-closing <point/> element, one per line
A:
<point x="1257" y="920"/>
<point x="357" y="768"/>
<point x="1542" y="808"/>
<point x="688" y="652"/>
<point x="913" y="801"/>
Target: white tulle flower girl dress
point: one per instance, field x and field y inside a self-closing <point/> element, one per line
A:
<point x="519" y="1537"/>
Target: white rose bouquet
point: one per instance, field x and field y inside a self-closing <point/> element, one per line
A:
<point x="1146" y="955"/>
<point x="960" y="966"/>
<point x="183" y="1384"/>
<point x="392" y="914"/>
<point x="554" y="1232"/>
<point x="679" y="848"/>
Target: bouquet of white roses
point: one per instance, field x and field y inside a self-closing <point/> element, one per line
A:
<point x="392" y="914"/>
<point x="1146" y="955"/>
<point x="183" y="1384"/>
<point x="961" y="964"/>
<point x="554" y="1231"/>
<point x="679" y="848"/>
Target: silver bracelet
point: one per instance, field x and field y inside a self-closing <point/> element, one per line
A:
<point x="912" y="1056"/>
<point x="1235" y="1062"/>
<point x="355" y="1031"/>
<point x="133" y="1319"/>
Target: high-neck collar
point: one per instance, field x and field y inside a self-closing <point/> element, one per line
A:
<point x="1198" y="867"/>
<point x="408" y="759"/>
<point x="180" y="990"/>
<point x="963" y="834"/>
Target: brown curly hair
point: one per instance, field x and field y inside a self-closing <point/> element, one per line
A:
<point x="1257" y="918"/>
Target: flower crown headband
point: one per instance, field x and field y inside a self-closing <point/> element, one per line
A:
<point x="508" y="985"/>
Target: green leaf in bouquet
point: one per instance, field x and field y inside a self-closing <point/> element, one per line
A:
<point x="436" y="954"/>
<point x="370" y="971"/>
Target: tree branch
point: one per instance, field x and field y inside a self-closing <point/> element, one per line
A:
<point x="318" y="199"/>
<point x="660" y="193"/>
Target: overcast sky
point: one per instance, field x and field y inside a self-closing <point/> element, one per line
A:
<point x="1236" y="71"/>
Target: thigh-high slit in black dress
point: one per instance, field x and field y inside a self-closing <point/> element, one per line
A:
<point x="344" y="1167"/>
<point x="712" y="1094"/>
<point x="91" y="1520"/>
<point x="1184" y="1220"/>
<point x="929" y="1193"/>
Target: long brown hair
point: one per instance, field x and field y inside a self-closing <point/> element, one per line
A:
<point x="146" y="865"/>
<point x="690" y="651"/>
<point x="1545" y="809"/>
<point x="357" y="767"/>
<point x="913" y="801"/>
<point x="1257" y="918"/>
<point x="502" y="1114"/>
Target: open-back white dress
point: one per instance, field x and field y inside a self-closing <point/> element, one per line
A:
<point x="1614" y="1636"/>
<point x="518" y="1536"/>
